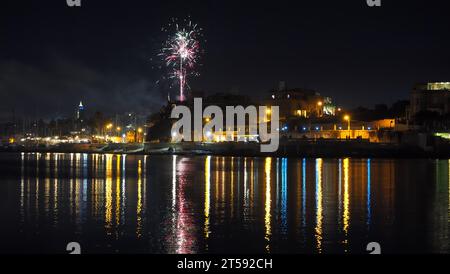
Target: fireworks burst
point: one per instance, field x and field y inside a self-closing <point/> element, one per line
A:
<point x="181" y="52"/>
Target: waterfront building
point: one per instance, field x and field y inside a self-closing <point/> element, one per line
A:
<point x="300" y="103"/>
<point x="430" y="97"/>
<point x="159" y="129"/>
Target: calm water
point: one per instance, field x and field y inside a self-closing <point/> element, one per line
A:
<point x="208" y="204"/>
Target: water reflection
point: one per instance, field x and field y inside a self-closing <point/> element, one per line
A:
<point x="369" y="208"/>
<point x="55" y="192"/>
<point x="319" y="205"/>
<point x="22" y="188"/>
<point x="118" y="192"/>
<point x="346" y="207"/>
<point x="109" y="195"/>
<point x="179" y="204"/>
<point x="185" y="240"/>
<point x="207" y="194"/>
<point x="284" y="192"/>
<point x="304" y="193"/>
<point x="268" y="203"/>
<point x="139" y="201"/>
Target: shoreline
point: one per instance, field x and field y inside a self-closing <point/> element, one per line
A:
<point x="297" y="149"/>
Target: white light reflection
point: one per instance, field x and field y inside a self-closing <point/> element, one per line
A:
<point x="207" y="195"/>
<point x="284" y="195"/>
<point x="174" y="181"/>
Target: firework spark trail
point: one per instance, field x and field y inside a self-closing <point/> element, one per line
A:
<point x="181" y="53"/>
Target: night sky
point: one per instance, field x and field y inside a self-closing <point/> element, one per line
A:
<point x="105" y="53"/>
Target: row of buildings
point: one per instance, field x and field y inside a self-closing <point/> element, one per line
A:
<point x="305" y="113"/>
<point x="81" y="127"/>
<point x="432" y="97"/>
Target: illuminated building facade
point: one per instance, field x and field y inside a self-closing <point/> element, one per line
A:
<point x="433" y="97"/>
<point x="160" y="129"/>
<point x="302" y="103"/>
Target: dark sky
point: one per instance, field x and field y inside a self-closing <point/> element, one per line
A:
<point x="104" y="53"/>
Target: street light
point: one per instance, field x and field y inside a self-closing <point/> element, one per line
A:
<point x="107" y="131"/>
<point x="347" y="118"/>
<point x="108" y="128"/>
<point x="138" y="135"/>
<point x="118" y="129"/>
<point x="319" y="109"/>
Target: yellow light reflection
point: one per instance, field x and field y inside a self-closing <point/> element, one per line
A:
<point x="108" y="190"/>
<point x="222" y="194"/>
<point x="47" y="184"/>
<point x="346" y="213"/>
<point x="232" y="186"/>
<point x="47" y="194"/>
<point x="95" y="187"/>
<point x="144" y="187"/>
<point x="319" y="205"/>
<point x="78" y="200"/>
<point x="37" y="184"/>
<point x="139" y="201"/>
<point x="55" y="190"/>
<point x="268" y="201"/>
<point x="117" y="190"/>
<point x="123" y="187"/>
<point x="245" y="183"/>
<point x="252" y="178"/>
<point x="216" y="184"/>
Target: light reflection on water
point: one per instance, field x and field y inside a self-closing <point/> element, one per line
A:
<point x="319" y="206"/>
<point x="346" y="213"/>
<point x="179" y="204"/>
<point x="268" y="202"/>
